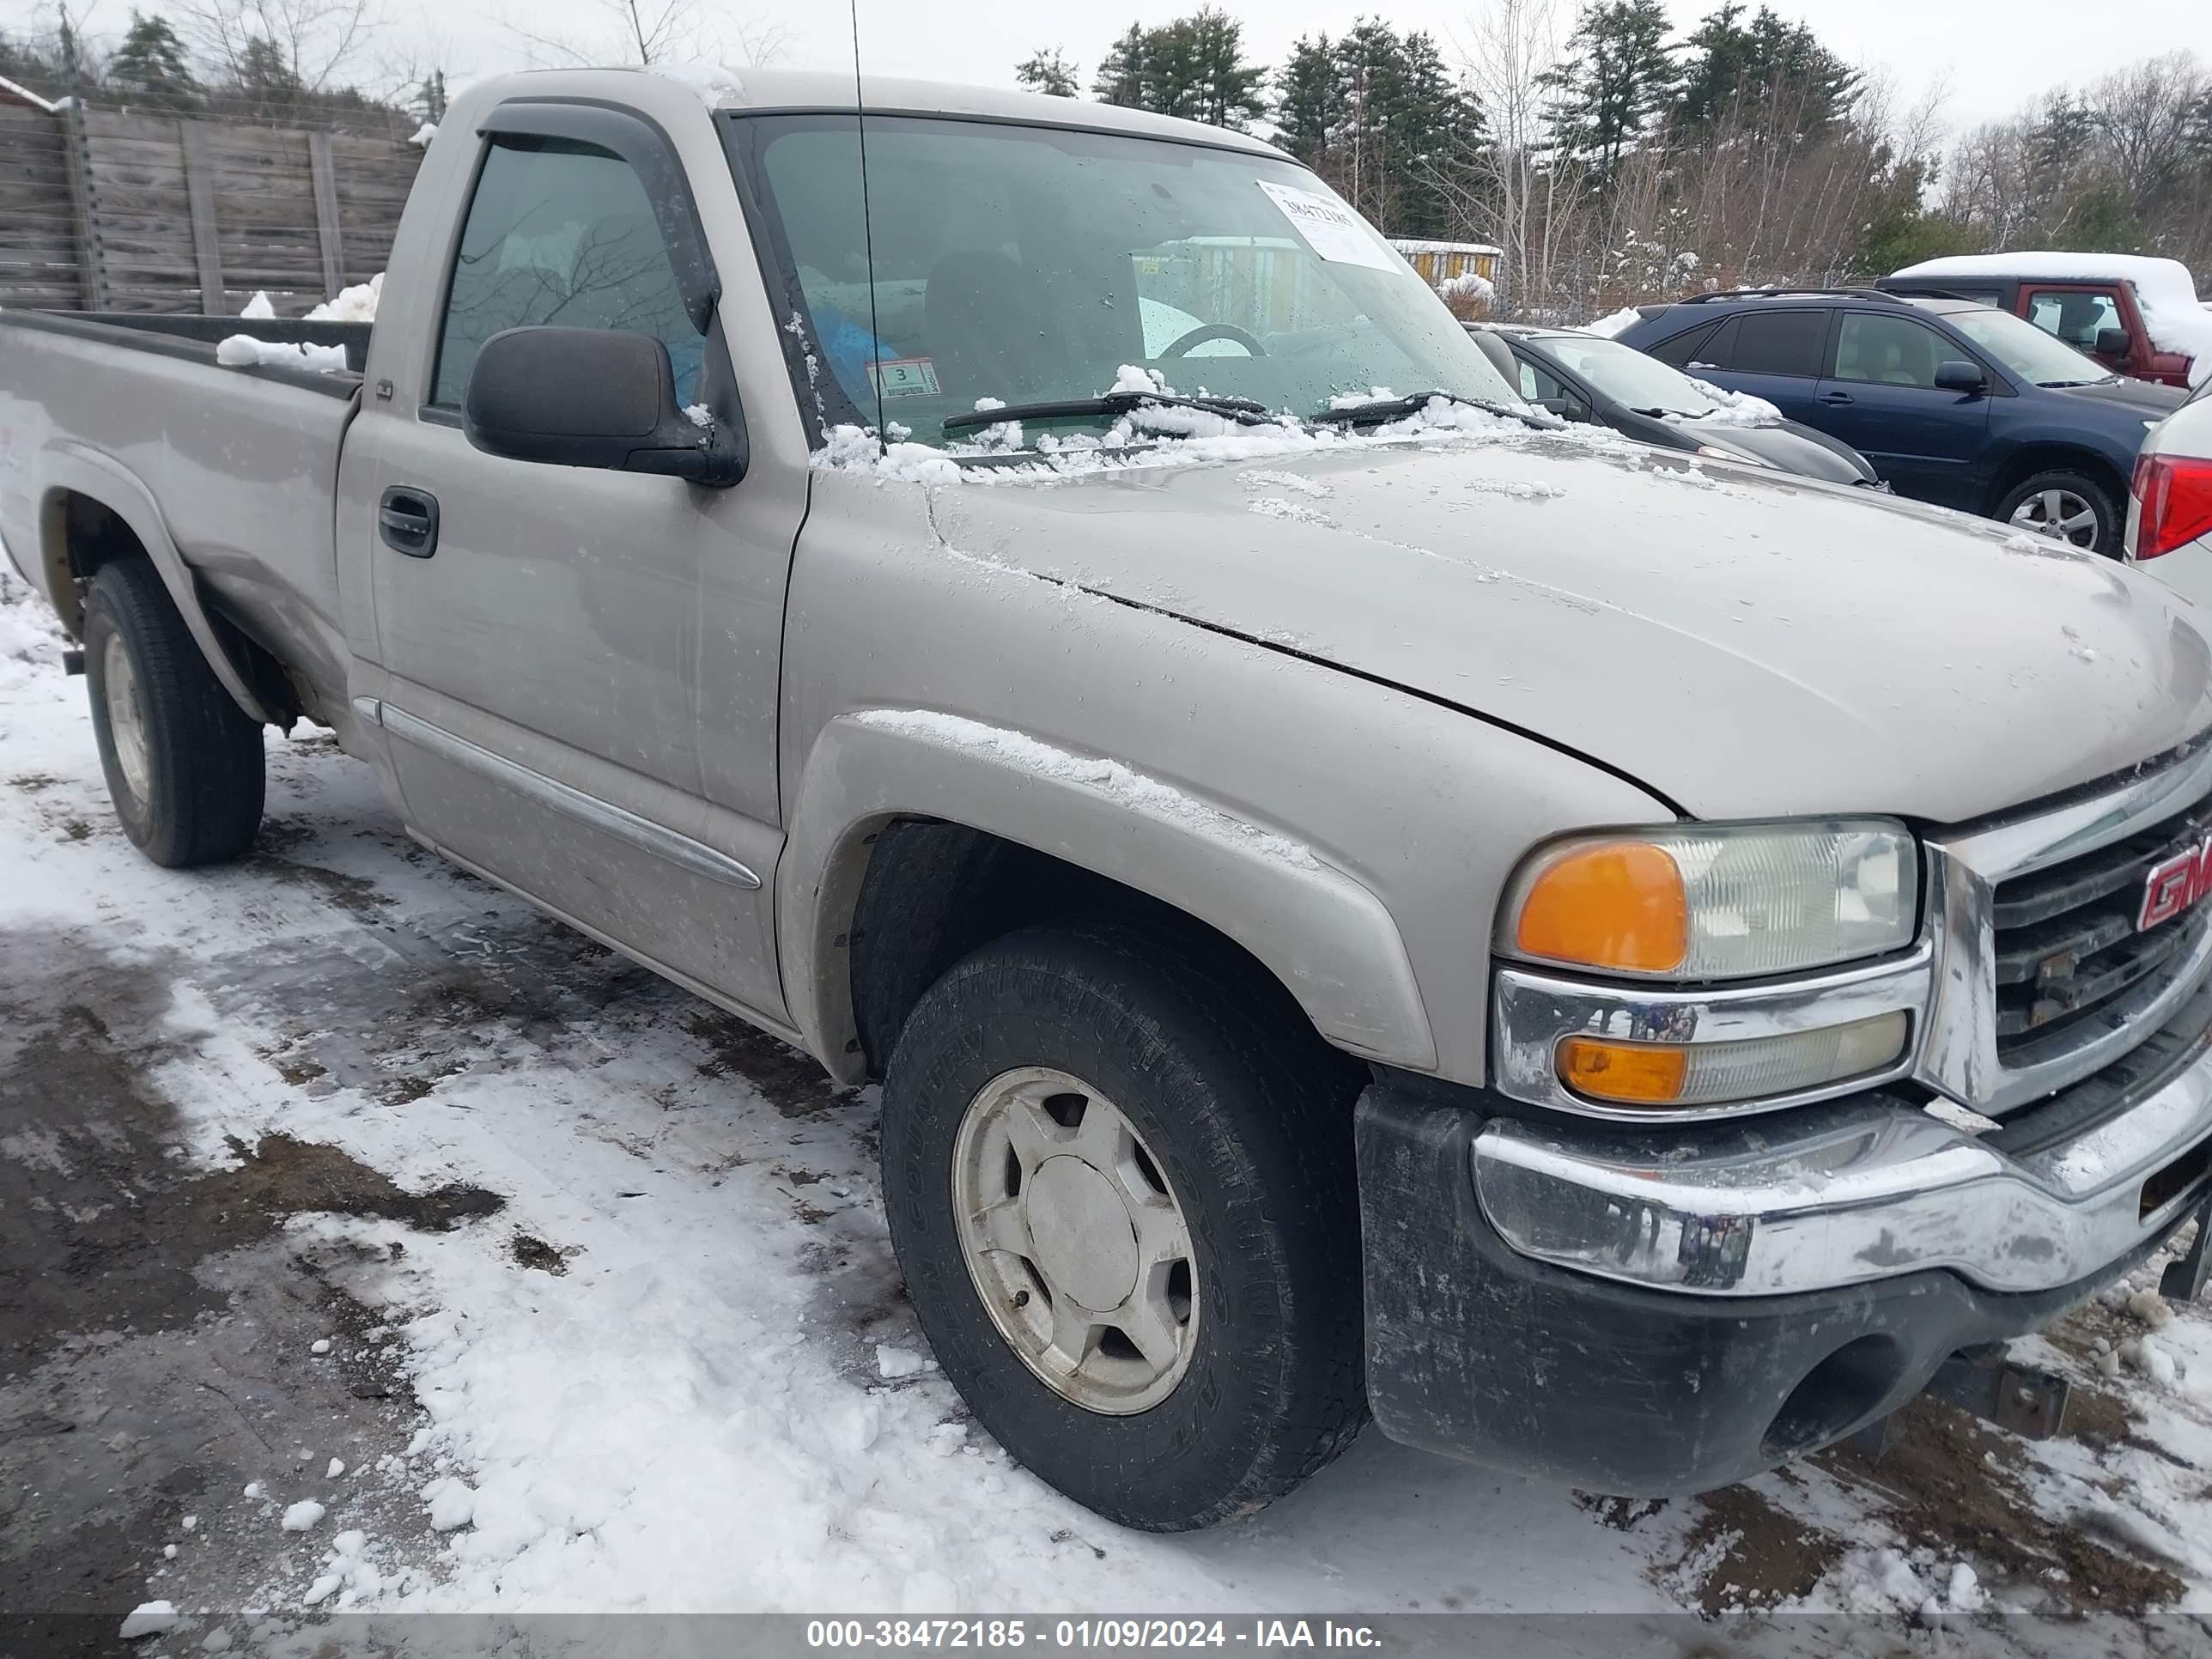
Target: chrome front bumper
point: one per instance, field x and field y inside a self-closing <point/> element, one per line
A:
<point x="1847" y="1192"/>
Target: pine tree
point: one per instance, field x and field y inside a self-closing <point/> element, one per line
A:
<point x="1193" y="67"/>
<point x="1309" y="103"/>
<point x="429" y="101"/>
<point x="149" y="69"/>
<point x="1048" y="72"/>
<point x="1122" y="77"/>
<point x="1618" y="76"/>
<point x="1729" y="61"/>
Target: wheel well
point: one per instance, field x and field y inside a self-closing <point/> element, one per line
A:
<point x="80" y="535"/>
<point x="2054" y="458"/>
<point x="934" y="891"/>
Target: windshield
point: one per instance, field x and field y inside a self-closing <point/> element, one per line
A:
<point x="1019" y="265"/>
<point x="1627" y="376"/>
<point x="2026" y="349"/>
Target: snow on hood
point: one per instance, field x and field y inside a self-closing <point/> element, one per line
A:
<point x="2165" y="291"/>
<point x="1672" y="620"/>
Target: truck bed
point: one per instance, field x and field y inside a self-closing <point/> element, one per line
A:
<point x="242" y="462"/>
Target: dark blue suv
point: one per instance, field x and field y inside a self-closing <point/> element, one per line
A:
<point x="1953" y="403"/>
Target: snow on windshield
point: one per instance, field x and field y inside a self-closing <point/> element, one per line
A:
<point x="1156" y="436"/>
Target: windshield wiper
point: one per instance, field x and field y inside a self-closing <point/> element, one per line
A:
<point x="1380" y="409"/>
<point x="1242" y="410"/>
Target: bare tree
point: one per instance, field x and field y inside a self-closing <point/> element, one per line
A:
<point x="1504" y="186"/>
<point x="649" y="32"/>
<point x="260" y="44"/>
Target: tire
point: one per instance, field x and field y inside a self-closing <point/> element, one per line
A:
<point x="1242" y="1119"/>
<point x="184" y="762"/>
<point x="2027" y="504"/>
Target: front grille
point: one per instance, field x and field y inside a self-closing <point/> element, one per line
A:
<point x="2067" y="948"/>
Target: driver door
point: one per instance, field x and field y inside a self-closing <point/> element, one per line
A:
<point x="581" y="666"/>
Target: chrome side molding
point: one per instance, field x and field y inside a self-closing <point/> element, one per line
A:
<point x="604" y="816"/>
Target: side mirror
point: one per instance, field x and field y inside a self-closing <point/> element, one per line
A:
<point x="1958" y="375"/>
<point x="2111" y="342"/>
<point x="1567" y="409"/>
<point x="588" y="397"/>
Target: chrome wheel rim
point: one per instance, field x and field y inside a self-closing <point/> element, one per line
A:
<point x="2060" y="515"/>
<point x="1075" y="1241"/>
<point x="126" y="717"/>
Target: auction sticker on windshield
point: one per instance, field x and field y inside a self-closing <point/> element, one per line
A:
<point x="1330" y="228"/>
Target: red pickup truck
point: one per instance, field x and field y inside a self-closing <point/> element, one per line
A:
<point x="2137" y="316"/>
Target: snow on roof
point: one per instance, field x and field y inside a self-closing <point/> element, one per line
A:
<point x="9" y="89"/>
<point x="1413" y="244"/>
<point x="2166" y="292"/>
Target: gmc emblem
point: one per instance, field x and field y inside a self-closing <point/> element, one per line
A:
<point x="2175" y="885"/>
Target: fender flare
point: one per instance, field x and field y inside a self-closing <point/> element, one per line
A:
<point x="77" y="469"/>
<point x="1323" y="934"/>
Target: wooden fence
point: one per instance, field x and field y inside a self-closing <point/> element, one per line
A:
<point x="109" y="211"/>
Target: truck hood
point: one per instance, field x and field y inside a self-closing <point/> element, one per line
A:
<point x="1742" y="643"/>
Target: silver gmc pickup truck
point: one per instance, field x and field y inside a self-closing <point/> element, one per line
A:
<point x="1617" y="965"/>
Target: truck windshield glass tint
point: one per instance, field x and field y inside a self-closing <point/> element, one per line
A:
<point x="1024" y="263"/>
<point x="562" y="233"/>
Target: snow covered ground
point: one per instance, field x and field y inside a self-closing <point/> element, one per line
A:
<point x="565" y="1292"/>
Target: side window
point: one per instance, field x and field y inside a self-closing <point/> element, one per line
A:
<point x="559" y="232"/>
<point x="1539" y="388"/>
<point x="2074" y="316"/>
<point x="1678" y="352"/>
<point x="1889" y="350"/>
<point x="1779" y="342"/>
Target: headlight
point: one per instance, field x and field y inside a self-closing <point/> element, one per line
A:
<point x="1730" y="902"/>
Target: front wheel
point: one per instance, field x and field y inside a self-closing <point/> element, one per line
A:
<point x="183" y="760"/>
<point x="1121" y="1194"/>
<point x="2068" y="507"/>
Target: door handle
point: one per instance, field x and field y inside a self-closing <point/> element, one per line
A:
<point x="407" y="520"/>
<point x="1835" y="398"/>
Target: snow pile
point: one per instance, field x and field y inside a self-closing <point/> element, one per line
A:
<point x="31" y="641"/>
<point x="303" y="1515"/>
<point x="148" y="1619"/>
<point x="1918" y="1585"/>
<point x="1614" y="322"/>
<point x="2165" y="291"/>
<point x="243" y="351"/>
<point x="1108" y="778"/>
<point x="1736" y="408"/>
<point x="423" y="134"/>
<point x="356" y="304"/>
<point x="259" y="309"/>
<point x="1469" y="287"/>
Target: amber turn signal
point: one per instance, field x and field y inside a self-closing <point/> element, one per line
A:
<point x="1617" y="904"/>
<point x="1632" y="1074"/>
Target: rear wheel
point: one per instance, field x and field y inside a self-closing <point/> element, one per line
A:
<point x="2068" y="507"/>
<point x="1121" y="1189"/>
<point x="183" y="760"/>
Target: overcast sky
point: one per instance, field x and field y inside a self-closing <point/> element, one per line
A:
<point x="1983" y="58"/>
